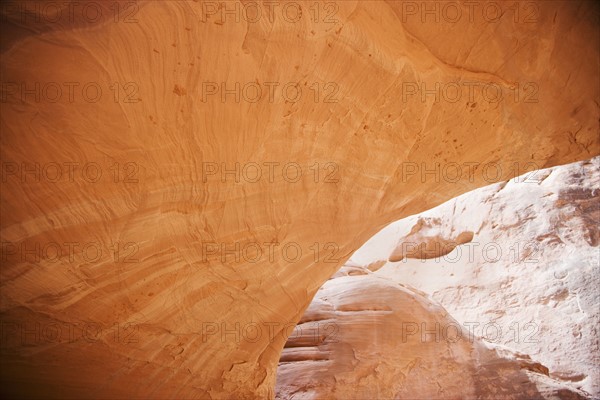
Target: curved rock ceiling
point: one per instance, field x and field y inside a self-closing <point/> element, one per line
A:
<point x="180" y="177"/>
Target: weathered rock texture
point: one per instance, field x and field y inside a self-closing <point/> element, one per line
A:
<point x="367" y="337"/>
<point x="525" y="284"/>
<point x="154" y="126"/>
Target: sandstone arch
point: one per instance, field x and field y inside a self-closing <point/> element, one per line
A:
<point x="167" y="133"/>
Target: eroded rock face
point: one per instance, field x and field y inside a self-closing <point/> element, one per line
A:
<point x="526" y="282"/>
<point x="368" y="337"/>
<point x="349" y="345"/>
<point x="164" y="214"/>
<point x="424" y="241"/>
